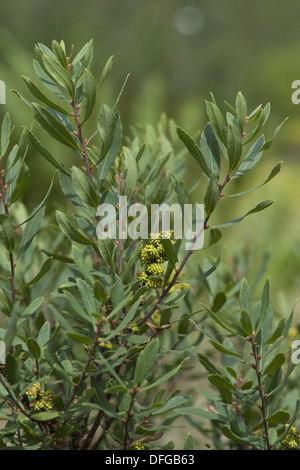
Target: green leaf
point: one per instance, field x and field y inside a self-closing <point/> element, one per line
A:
<point x="269" y="142"/>
<point x="114" y="149"/>
<point x="30" y="231"/>
<point x="169" y="250"/>
<point x="217" y="319"/>
<point x="272" y="175"/>
<point x="172" y="403"/>
<point x="79" y="338"/>
<point x="60" y="54"/>
<point x="89" y="95"/>
<point x="224" y="350"/>
<point x="181" y="196"/>
<point x="70" y="228"/>
<point x="39" y="206"/>
<point x="100" y="291"/>
<point x="207" y="364"/>
<point x="241" y="109"/>
<point x="37" y="93"/>
<point x="31" y="309"/>
<point x="260" y="207"/>
<point x="6" y="304"/>
<point x="189" y="443"/>
<point x="246" y="302"/>
<point x="193" y="149"/>
<point x="44" y="269"/>
<point x="44" y="334"/>
<point x="265" y="305"/>
<point x="81" y="265"/>
<point x="234" y="147"/>
<point x="214" y="236"/>
<point x="83" y="187"/>
<point x="210" y="150"/>
<point x="33" y="348"/>
<point x="261" y="118"/>
<point x="131" y="173"/>
<point x="86" y="53"/>
<point x="212" y="194"/>
<point x="280" y="417"/>
<point x="251" y="159"/>
<point x="7" y="233"/>
<point x="54" y="127"/>
<point x="28" y="430"/>
<point x="20" y="185"/>
<point x="106" y="125"/>
<point x="246" y="323"/>
<point x="231" y="435"/>
<point x="120" y="94"/>
<point x="206" y="273"/>
<point x="164" y="378"/>
<point x="45" y="416"/>
<point x="106" y="70"/>
<point x="11" y="328"/>
<point x="221" y="382"/>
<point x="278" y="331"/>
<point x="145" y="362"/>
<point x="45" y="153"/>
<point x="217" y="121"/>
<point x="55" y="71"/>
<point x="126" y="320"/>
<point x="275" y="364"/>
<point x="5" y="134"/>
<point x="49" y="83"/>
<point x="68" y="190"/>
<point x="106" y="249"/>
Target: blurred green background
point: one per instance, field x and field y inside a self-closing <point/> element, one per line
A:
<point x="177" y="52"/>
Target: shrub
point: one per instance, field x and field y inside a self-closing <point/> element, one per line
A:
<point x="98" y="332"/>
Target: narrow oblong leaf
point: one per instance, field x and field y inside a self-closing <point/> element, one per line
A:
<point x="106" y="125"/>
<point x="241" y="109"/>
<point x="246" y="323"/>
<point x="169" y="250"/>
<point x="5" y="134"/>
<point x="70" y="228"/>
<point x="217" y="121"/>
<point x="106" y="70"/>
<point x="145" y="362"/>
<point x="54" y="127"/>
<point x="88" y="94"/>
<point x="114" y="149"/>
<point x="33" y="348"/>
<point x="275" y="364"/>
<point x="212" y="195"/>
<point x="193" y="149"/>
<point x="45" y="153"/>
<point x="37" y="93"/>
<point x="7" y="233"/>
<point x="44" y="269"/>
<point x="210" y="150"/>
<point x="83" y="187"/>
<point x="31" y="228"/>
<point x="234" y="146"/>
<point x="221" y="382"/>
<point x="260" y="207"/>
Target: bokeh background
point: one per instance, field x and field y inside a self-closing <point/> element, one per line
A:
<point x="177" y="52"/>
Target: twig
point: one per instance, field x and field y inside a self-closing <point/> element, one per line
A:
<point x="259" y="387"/>
<point x="11" y="278"/>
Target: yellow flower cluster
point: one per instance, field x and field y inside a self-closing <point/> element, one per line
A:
<point x="40" y="400"/>
<point x="292" y="440"/>
<point x="138" y="446"/>
<point x="152" y="256"/>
